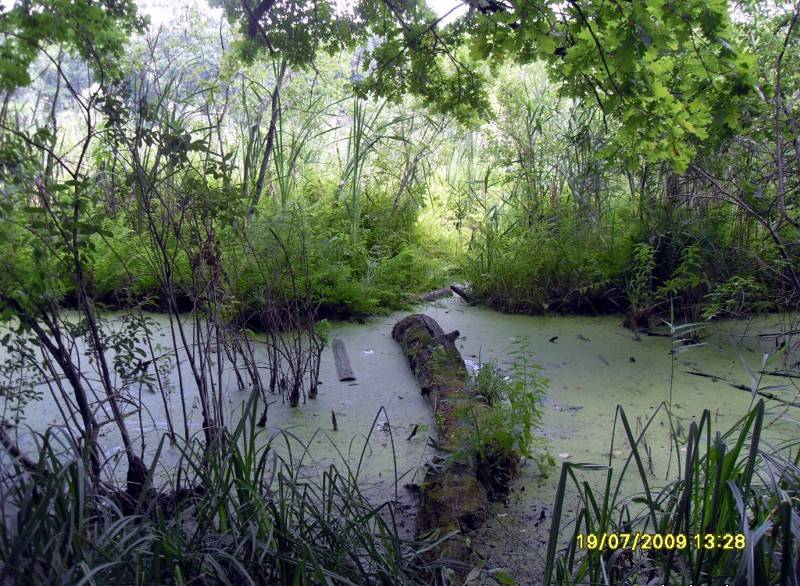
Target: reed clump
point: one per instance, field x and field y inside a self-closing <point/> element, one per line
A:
<point x="729" y="483"/>
<point x="257" y="519"/>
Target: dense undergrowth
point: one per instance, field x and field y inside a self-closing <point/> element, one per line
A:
<point x="700" y="265"/>
<point x="697" y="263"/>
<point x="391" y="265"/>
<point x="366" y="203"/>
<point x="693" y="264"/>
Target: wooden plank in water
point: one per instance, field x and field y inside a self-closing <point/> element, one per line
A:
<point x="342" y="361"/>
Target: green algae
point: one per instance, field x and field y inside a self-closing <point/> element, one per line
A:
<point x="593" y="364"/>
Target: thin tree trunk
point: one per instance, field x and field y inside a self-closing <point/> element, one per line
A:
<point x="270" y="145"/>
<point x="779" y="116"/>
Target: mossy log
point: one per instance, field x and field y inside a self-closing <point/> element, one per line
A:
<point x="452" y="498"/>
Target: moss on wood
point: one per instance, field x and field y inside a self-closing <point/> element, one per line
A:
<point x="453" y="498"/>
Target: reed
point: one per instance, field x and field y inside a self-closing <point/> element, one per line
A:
<point x="729" y="483"/>
<point x="241" y="513"/>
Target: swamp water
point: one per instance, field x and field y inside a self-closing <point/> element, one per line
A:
<point x="593" y="364"/>
<point x="374" y="413"/>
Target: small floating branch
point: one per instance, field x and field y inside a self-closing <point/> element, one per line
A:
<point x="782" y="373"/>
<point x="342" y="361"/>
<point x="778" y="334"/>
<point x="713" y="377"/>
<point x="765" y="394"/>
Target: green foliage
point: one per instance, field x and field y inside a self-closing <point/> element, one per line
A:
<point x="536" y="200"/>
<point x="125" y="269"/>
<point x="17" y="387"/>
<point x="640" y="282"/>
<point x="289" y="28"/>
<point x="688" y="275"/>
<point x="502" y="428"/>
<point x="556" y="263"/>
<point x="669" y="73"/>
<point x="96" y="31"/>
<point x="556" y="267"/>
<point x="514" y="412"/>
<point x="385" y="269"/>
<point x="735" y="297"/>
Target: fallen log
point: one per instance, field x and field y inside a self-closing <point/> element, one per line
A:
<point x="436" y="294"/>
<point x="342" y="361"/>
<point x="462" y="292"/>
<point x="452" y="499"/>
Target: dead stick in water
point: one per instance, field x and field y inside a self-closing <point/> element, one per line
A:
<point x="14" y="451"/>
<point x="781" y="373"/>
<point x="745" y="388"/>
<point x="765" y="394"/>
<point x="713" y="377"/>
<point x="436" y="294"/>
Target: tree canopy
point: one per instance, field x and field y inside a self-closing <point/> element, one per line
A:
<point x="94" y="30"/>
<point x="667" y="72"/>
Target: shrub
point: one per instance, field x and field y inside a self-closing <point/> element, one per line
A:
<point x="500" y="427"/>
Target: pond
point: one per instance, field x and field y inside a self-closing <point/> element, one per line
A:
<point x="592" y="364"/>
<point x="383" y="403"/>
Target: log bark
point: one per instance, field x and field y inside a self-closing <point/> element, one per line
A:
<point x="452" y="499"/>
<point x="342" y="361"/>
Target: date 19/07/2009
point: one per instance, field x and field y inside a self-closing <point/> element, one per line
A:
<point x="657" y="541"/>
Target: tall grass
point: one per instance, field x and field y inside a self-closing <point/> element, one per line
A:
<point x="238" y="514"/>
<point x="729" y="483"/>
